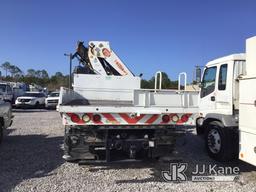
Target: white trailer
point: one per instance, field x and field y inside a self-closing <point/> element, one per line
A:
<point x="108" y="116"/>
<point x="228" y="105"/>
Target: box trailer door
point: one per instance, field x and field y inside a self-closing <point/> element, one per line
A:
<point x="247" y="120"/>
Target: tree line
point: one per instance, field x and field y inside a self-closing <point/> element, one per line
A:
<point x="42" y="78"/>
<point x="167" y="83"/>
<point x="32" y="76"/>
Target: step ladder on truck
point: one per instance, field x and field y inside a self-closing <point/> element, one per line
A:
<point x="108" y="117"/>
<point x="227" y="106"/>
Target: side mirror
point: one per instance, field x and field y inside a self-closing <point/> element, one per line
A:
<point x="198" y="74"/>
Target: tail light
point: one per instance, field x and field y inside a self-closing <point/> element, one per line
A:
<point x="96" y="118"/>
<point x="175" y="118"/>
<point x="86" y="118"/>
<point x="74" y="118"/>
<point x="184" y="118"/>
<point x="165" y="118"/>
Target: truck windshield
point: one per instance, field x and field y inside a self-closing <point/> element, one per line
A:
<point x="208" y="83"/>
<point x="2" y="88"/>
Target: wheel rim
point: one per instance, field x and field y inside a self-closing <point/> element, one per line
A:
<point x="214" y="141"/>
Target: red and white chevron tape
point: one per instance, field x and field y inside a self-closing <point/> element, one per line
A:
<point x="128" y="119"/>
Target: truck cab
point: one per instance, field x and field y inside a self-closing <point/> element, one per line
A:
<point x="227" y="106"/>
<point x="219" y="106"/>
<point x="219" y="86"/>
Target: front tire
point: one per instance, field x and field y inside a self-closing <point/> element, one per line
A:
<point x="1" y="133"/>
<point x="221" y="142"/>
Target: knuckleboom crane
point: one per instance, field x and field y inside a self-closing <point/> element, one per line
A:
<point x="100" y="59"/>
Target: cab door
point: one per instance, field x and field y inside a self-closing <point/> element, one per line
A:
<point x="223" y="96"/>
<point x="207" y="102"/>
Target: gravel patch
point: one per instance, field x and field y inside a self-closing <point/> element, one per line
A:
<point x="31" y="160"/>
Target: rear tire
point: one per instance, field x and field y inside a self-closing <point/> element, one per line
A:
<point x="221" y="142"/>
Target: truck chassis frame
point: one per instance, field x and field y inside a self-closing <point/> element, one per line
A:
<point x="106" y="144"/>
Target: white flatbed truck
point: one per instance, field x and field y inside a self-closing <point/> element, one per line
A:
<point x="108" y="117"/>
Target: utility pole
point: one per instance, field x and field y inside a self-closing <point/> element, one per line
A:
<point x="70" y="55"/>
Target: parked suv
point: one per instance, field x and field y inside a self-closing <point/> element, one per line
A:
<point x="52" y="100"/>
<point x="31" y="99"/>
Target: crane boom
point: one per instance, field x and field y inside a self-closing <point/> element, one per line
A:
<point x="101" y="59"/>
